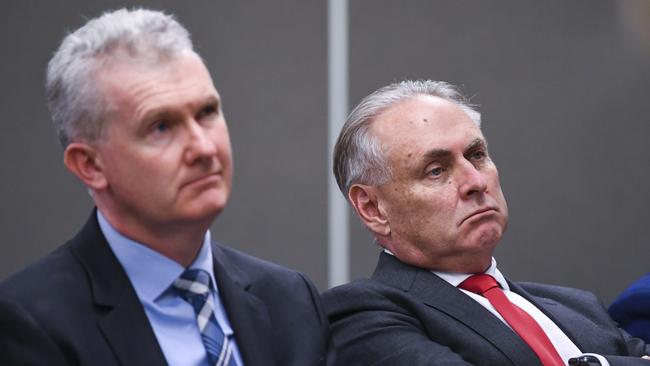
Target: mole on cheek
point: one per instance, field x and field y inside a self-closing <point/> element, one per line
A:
<point x="425" y="120"/>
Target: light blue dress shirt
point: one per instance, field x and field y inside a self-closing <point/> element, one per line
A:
<point x="173" y="319"/>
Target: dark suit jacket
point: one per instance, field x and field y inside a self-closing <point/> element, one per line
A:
<point x="76" y="306"/>
<point x="409" y="316"/>
<point x="632" y="308"/>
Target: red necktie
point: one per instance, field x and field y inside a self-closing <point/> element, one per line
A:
<point x="520" y="321"/>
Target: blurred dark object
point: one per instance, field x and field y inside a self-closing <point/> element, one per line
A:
<point x="632" y="309"/>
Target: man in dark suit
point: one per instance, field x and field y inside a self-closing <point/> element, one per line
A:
<point x="142" y="283"/>
<point x="412" y="161"/>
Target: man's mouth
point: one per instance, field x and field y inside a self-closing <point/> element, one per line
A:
<point x="485" y="211"/>
<point x="204" y="179"/>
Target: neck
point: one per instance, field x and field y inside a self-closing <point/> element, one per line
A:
<point x="179" y="242"/>
<point x="455" y="262"/>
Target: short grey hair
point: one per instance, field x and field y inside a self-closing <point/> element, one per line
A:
<point x="76" y="104"/>
<point x="358" y="157"/>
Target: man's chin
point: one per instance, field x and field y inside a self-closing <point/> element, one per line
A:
<point x="485" y="238"/>
<point x="204" y="211"/>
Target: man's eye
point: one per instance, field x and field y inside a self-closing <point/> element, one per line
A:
<point x="161" y="126"/>
<point x="435" y="172"/>
<point x="207" y="111"/>
<point x="478" y="155"/>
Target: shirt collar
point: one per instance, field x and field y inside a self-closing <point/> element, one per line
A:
<point x="455" y="279"/>
<point x="150" y="281"/>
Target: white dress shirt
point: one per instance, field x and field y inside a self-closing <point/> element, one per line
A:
<point x="564" y="346"/>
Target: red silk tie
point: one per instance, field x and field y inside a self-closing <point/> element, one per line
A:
<point x="520" y="321"/>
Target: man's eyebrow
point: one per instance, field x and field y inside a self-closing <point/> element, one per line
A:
<point x="477" y="142"/>
<point x="165" y="112"/>
<point x="437" y="154"/>
<point x="212" y="100"/>
<point x="157" y="114"/>
<point x="434" y="154"/>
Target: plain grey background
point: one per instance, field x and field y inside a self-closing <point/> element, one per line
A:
<point x="563" y="88"/>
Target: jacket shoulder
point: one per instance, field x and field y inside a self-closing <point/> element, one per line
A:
<point x="565" y="295"/>
<point x="365" y="295"/>
<point x="50" y="277"/>
<point x="258" y="270"/>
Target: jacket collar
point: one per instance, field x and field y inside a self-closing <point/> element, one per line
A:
<point x="438" y="294"/>
<point x="121" y="317"/>
<point x="247" y="313"/>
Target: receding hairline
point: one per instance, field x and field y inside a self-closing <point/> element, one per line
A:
<point x="423" y="97"/>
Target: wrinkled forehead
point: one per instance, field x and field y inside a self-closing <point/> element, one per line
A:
<point x="181" y="69"/>
<point x="417" y="125"/>
<point x="423" y="114"/>
<point x="133" y="87"/>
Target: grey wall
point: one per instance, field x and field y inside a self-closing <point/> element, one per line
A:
<point x="562" y="86"/>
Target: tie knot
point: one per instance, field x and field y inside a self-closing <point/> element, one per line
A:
<point x="193" y="283"/>
<point x="479" y="283"/>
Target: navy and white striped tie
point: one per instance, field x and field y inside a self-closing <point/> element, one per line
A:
<point x="194" y="287"/>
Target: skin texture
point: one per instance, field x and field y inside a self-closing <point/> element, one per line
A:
<point x="163" y="169"/>
<point x="443" y="208"/>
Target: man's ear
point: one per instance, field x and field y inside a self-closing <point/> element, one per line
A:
<point x="365" y="200"/>
<point x="83" y="161"/>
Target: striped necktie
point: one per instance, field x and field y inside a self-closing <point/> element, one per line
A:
<point x="194" y="287"/>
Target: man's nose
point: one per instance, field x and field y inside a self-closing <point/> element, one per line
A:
<point x="472" y="180"/>
<point x="200" y="144"/>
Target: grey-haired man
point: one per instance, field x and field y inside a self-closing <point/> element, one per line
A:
<point x="142" y="283"/>
<point x="414" y="164"/>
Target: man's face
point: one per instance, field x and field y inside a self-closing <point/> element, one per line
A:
<point x="166" y="153"/>
<point x="444" y="204"/>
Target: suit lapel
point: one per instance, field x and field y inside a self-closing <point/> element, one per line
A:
<point x="247" y="314"/>
<point x="563" y="318"/>
<point x="120" y="314"/>
<point x="440" y="295"/>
